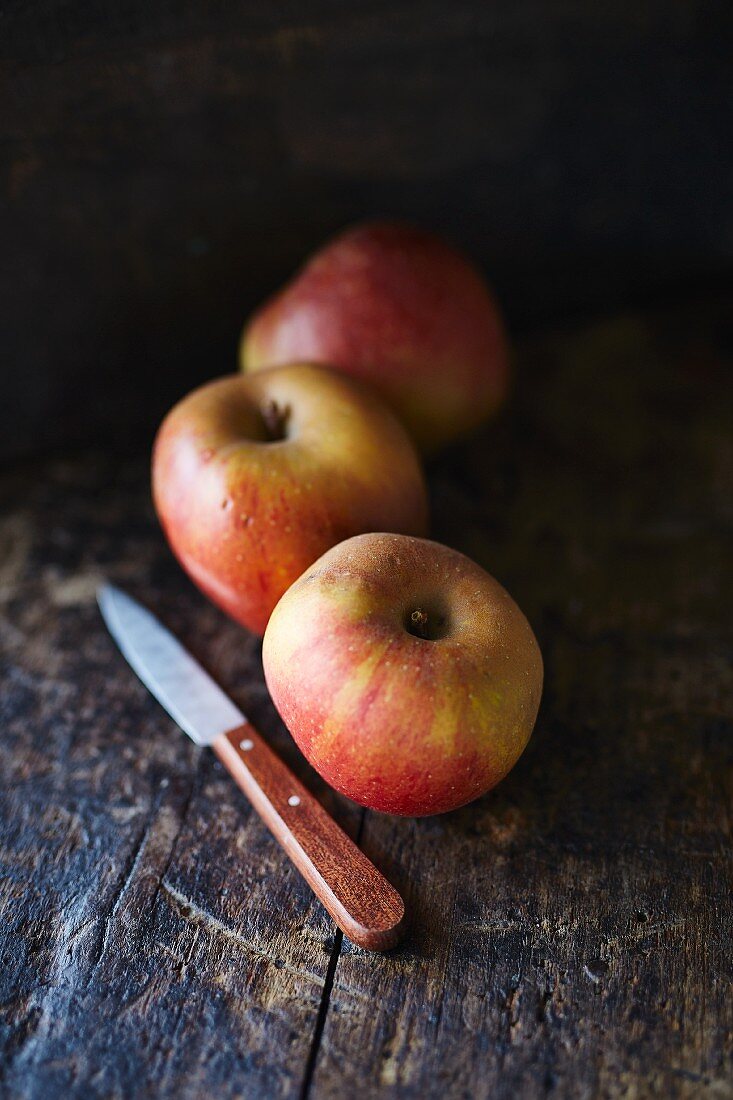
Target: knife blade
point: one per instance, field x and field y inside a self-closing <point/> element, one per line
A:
<point x="193" y="700"/>
<point x="361" y="901"/>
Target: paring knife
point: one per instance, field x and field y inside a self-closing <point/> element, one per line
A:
<point x="360" y="900"/>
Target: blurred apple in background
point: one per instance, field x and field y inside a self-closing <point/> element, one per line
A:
<point x="255" y="476"/>
<point x="406" y="674"/>
<point x="405" y="311"/>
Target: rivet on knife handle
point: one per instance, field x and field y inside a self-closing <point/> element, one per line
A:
<point x="361" y="901"/>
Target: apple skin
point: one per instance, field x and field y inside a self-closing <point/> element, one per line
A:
<point x="401" y="309"/>
<point x="403" y="724"/>
<point x="245" y="515"/>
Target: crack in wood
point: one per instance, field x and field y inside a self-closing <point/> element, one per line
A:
<point x="326" y="994"/>
<point x="118" y="897"/>
<point x="195" y="914"/>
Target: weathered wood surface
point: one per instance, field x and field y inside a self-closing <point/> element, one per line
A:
<point x="571" y="931"/>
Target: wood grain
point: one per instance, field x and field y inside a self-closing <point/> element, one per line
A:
<point x="570" y="933"/>
<point x="573" y="929"/>
<point x="153" y="939"/>
<point x="358" y="897"/>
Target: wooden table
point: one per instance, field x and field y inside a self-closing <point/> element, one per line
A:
<point x="571" y="931"/>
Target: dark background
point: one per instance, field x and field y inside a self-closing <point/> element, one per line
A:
<point x="166" y="165"/>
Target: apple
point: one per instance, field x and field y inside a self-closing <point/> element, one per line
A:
<point x="255" y="476"/>
<point x="407" y="675"/>
<point x="403" y="310"/>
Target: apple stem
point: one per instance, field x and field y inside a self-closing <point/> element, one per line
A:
<point x="275" y="418"/>
<point x="419" y="620"/>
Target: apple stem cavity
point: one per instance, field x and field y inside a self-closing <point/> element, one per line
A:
<point x="428" y="625"/>
<point x="420" y="623"/>
<point x="275" y="418"/>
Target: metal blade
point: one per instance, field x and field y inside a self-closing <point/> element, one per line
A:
<point x="175" y="678"/>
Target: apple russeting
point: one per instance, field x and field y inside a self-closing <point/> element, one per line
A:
<point x="255" y="476"/>
<point x="407" y="675"/>
<point x="403" y="310"/>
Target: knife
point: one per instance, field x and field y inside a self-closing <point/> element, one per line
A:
<point x="361" y="901"/>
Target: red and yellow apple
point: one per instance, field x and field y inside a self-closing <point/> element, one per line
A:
<point x="407" y="675"/>
<point x="405" y="311"/>
<point x="255" y="476"/>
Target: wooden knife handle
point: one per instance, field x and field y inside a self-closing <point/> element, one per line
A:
<point x="360" y="900"/>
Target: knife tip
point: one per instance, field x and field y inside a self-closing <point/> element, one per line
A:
<point x="106" y="593"/>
